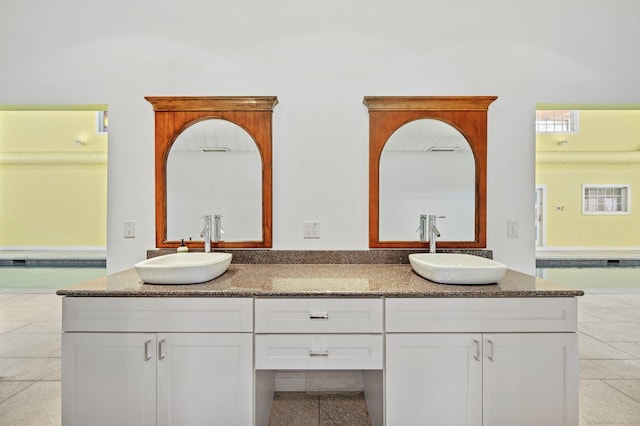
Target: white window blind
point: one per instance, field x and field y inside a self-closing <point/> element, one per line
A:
<point x="556" y="121"/>
<point x="605" y="199"/>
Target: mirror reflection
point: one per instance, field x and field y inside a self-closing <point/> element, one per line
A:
<point x="214" y="168"/>
<point x="427" y="167"/>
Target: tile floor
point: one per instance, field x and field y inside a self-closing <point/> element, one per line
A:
<point x="322" y="409"/>
<point x="609" y="326"/>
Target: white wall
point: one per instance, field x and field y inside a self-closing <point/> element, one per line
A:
<point x="320" y="59"/>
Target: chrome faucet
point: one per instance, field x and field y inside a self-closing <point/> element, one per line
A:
<point x="433" y="232"/>
<point x="206" y="233"/>
<point x="217" y="228"/>
<point x="422" y="229"/>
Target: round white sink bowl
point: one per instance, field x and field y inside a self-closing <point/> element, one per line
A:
<point x="183" y="268"/>
<point x="457" y="268"/>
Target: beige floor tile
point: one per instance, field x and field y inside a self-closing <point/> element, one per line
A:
<point x="10" y="388"/>
<point x="600" y="404"/>
<point x="55" y="374"/>
<point x="40" y="327"/>
<point x="28" y="368"/>
<point x="592" y="369"/>
<point x="627" y="299"/>
<point x="55" y="354"/>
<point x="16" y="345"/>
<point x="626" y="314"/>
<point x="632" y="348"/>
<point x="20" y="409"/>
<point x="590" y="348"/>
<point x="627" y="368"/>
<point x="4" y="297"/>
<point x="631" y="388"/>
<point x="610" y="369"/>
<point x="33" y="300"/>
<point x="7" y="326"/>
<point x="612" y="332"/>
<point x="294" y="409"/>
<point x="34" y="313"/>
<point x="584" y="317"/>
<point x="602" y="301"/>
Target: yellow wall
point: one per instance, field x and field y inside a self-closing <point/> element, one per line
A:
<point x="569" y="227"/>
<point x="599" y="131"/>
<point x="52" y="204"/>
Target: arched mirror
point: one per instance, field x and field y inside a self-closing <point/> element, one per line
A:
<point x="427" y="156"/>
<point x="214" y="167"/>
<point x="413" y="155"/>
<point x="213" y="157"/>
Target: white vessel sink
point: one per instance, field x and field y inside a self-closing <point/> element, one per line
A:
<point x="455" y="268"/>
<point x="183" y="268"/>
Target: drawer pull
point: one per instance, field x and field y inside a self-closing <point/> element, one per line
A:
<point x="160" y="352"/>
<point x="147" y="357"/>
<point x="491" y="357"/>
<point x="319" y="316"/>
<point x="477" y="355"/>
<point x="322" y="353"/>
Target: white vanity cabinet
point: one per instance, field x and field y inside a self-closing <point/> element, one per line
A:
<point x="472" y="361"/>
<point x="481" y="362"/>
<point x="157" y="361"/>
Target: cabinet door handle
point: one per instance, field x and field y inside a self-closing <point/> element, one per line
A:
<point x="477" y="355"/>
<point x="319" y="353"/>
<point x="319" y="316"/>
<point x="160" y="352"/>
<point x="490" y="350"/>
<point x="147" y="357"/>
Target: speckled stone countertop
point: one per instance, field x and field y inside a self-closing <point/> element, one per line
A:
<point x="318" y="280"/>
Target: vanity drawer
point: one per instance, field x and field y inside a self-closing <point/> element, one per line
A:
<point x="318" y="352"/>
<point x="439" y="315"/>
<point x="145" y="314"/>
<point x="318" y="315"/>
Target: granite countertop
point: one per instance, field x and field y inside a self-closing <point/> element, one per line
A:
<point x="318" y="280"/>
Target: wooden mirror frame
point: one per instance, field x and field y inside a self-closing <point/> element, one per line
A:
<point x="468" y="114"/>
<point x="173" y="114"/>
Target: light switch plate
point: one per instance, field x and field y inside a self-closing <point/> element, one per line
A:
<point x="311" y="229"/>
<point x="129" y="228"/>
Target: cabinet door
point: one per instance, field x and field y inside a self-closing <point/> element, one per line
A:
<point x="434" y="379"/>
<point x="108" y="379"/>
<point x="205" y="379"/>
<point x="530" y="379"/>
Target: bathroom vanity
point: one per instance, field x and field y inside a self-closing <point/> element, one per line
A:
<point x="424" y="353"/>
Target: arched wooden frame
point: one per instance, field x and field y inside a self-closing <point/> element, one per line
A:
<point x="468" y="114"/>
<point x="174" y="114"/>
